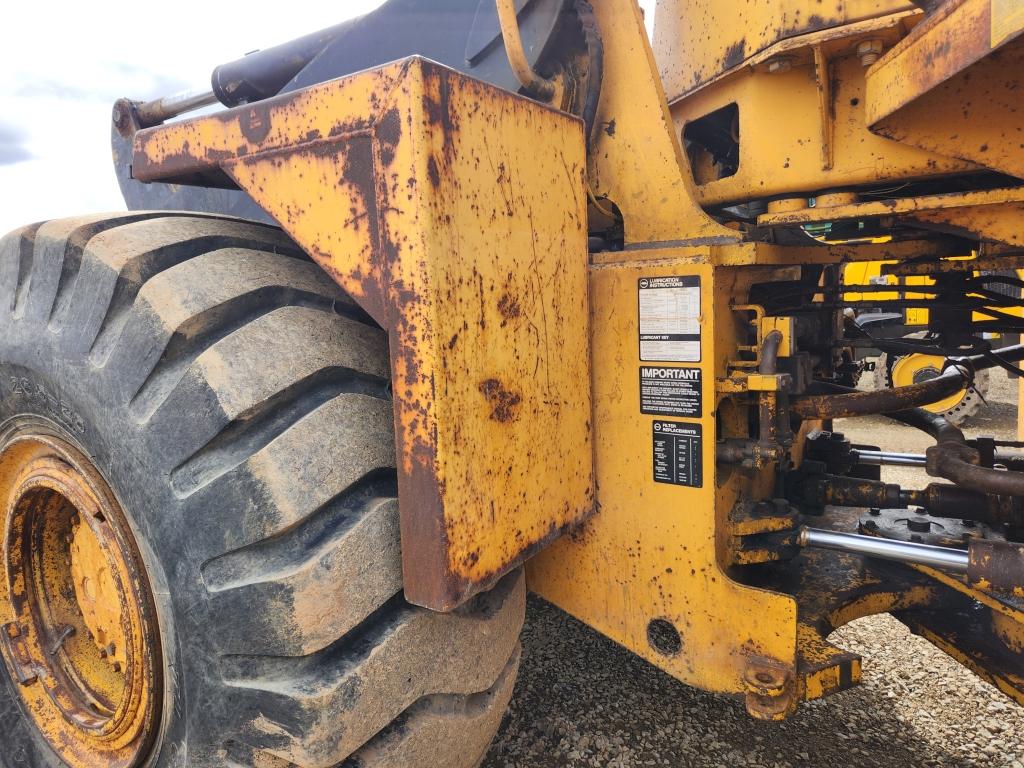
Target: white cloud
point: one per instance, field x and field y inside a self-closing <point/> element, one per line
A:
<point x="64" y="62"/>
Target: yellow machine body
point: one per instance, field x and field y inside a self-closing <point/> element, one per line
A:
<point x="482" y="286"/>
<point x="526" y="376"/>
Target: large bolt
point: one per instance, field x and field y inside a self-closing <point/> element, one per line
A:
<point x="919" y="526"/>
<point x="870" y="51"/>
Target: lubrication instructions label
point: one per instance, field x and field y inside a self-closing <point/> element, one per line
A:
<point x="670" y="319"/>
<point x="677" y="453"/>
<point x="670" y="391"/>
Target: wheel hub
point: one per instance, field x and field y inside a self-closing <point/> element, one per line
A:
<point x="79" y="631"/>
<point x="918" y="368"/>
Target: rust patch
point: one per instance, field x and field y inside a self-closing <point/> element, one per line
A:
<point x="434" y="172"/>
<point x="997" y="564"/>
<point x="504" y="403"/>
<point x="389" y="132"/>
<point x="735" y="54"/>
<point x="509" y="308"/>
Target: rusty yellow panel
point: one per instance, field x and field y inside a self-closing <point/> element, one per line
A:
<point x="490" y="276"/>
<point x="455" y="213"/>
<point x="698" y="40"/>
<point x="652" y="553"/>
<point x="952" y="86"/>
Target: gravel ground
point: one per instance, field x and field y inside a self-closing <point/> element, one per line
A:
<point x="582" y="700"/>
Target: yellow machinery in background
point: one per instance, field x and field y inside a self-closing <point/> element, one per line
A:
<point x="582" y="279"/>
<point x="911" y="360"/>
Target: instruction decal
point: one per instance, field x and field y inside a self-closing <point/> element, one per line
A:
<point x="670" y="391"/>
<point x="670" y="319"/>
<point x="678" y="453"/>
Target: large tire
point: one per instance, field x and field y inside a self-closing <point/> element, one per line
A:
<point x="236" y="402"/>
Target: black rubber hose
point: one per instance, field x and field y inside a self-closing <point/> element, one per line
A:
<point x="934" y="424"/>
<point x="769" y="364"/>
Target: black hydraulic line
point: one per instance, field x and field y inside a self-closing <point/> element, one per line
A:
<point x="957" y="463"/>
<point x="769" y="364"/>
<point x="936" y="425"/>
<point x="958" y="374"/>
<point x="951" y="458"/>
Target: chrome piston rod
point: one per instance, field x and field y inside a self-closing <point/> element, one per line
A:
<point x="945" y="558"/>
<point x="886" y="458"/>
<point x="157" y="111"/>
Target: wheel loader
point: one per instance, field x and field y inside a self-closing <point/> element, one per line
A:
<point x="462" y="298"/>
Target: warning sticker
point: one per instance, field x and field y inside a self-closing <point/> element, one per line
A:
<point x="677" y="453"/>
<point x="670" y="319"/>
<point x="670" y="391"/>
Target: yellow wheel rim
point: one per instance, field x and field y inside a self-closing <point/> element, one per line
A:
<point x="914" y="369"/>
<point x="79" y="636"/>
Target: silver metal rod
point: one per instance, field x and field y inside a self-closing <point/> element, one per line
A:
<point x="880" y="458"/>
<point x="157" y="111"/>
<point x="886" y="549"/>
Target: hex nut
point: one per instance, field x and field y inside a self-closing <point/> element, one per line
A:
<point x="870" y="51"/>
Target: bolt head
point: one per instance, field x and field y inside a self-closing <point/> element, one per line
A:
<point x="870" y="46"/>
<point x="919" y="525"/>
<point x="870" y="51"/>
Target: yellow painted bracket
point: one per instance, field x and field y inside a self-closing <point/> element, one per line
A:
<point x="455" y="214"/>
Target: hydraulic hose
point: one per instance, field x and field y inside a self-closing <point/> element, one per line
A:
<point x="958" y="374"/>
<point x="951" y="458"/>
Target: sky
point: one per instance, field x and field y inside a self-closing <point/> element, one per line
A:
<point x="63" y="63"/>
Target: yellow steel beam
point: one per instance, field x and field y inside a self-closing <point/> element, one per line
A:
<point x="951" y="86"/>
<point x="699" y="40"/>
<point x="991" y="215"/>
<point x="800" y="119"/>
